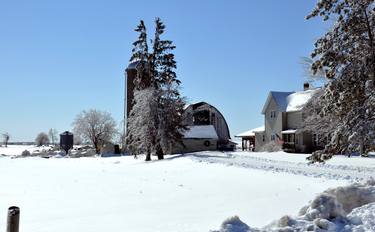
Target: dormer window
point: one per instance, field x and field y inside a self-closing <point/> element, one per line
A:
<point x="273" y="114"/>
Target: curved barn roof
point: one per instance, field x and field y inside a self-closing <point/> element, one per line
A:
<point x="199" y="104"/>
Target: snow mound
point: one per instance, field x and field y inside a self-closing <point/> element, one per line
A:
<point x="234" y="224"/>
<point x="363" y="218"/>
<point x="348" y="208"/>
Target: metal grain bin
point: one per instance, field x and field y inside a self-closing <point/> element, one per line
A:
<point x="66" y="141"/>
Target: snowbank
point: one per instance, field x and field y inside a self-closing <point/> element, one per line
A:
<point x="349" y="208"/>
<point x="234" y="224"/>
<point x="17" y="151"/>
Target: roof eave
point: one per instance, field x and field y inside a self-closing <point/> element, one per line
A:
<point x="267" y="103"/>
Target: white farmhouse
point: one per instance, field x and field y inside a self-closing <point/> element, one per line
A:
<point x="283" y="120"/>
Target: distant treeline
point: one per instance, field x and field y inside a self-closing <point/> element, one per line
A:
<point x="21" y="143"/>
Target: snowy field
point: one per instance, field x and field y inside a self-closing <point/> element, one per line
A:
<point x="16" y="150"/>
<point x="194" y="192"/>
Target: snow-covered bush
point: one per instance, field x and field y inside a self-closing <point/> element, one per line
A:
<point x="41" y="139"/>
<point x="82" y="153"/>
<point x="270" y="147"/>
<point x="25" y="153"/>
<point x="348" y="208"/>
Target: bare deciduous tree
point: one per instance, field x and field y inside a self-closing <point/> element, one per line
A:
<point x="95" y="126"/>
<point x="6" y="138"/>
<point x="52" y="133"/>
<point x="41" y="139"/>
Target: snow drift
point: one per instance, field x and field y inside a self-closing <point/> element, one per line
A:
<point x="349" y="208"/>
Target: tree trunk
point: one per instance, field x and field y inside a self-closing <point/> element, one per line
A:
<point x="362" y="147"/>
<point x="159" y="152"/>
<point x="96" y="145"/>
<point x="148" y="156"/>
<point x="371" y="43"/>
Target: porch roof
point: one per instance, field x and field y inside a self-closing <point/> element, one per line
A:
<point x="290" y="131"/>
<point x="251" y="132"/>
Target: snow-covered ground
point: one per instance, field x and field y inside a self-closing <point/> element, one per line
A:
<point x="194" y="192"/>
<point x="16" y="150"/>
<point x="340" y="167"/>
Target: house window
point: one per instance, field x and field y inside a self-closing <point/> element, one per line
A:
<point x="264" y="138"/>
<point x="273" y="137"/>
<point x="273" y="114"/>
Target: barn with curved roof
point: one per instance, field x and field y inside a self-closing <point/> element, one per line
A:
<point x="203" y="114"/>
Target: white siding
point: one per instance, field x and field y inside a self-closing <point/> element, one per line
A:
<point x="273" y="125"/>
<point x="294" y="120"/>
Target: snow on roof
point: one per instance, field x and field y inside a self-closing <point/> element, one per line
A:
<point x="290" y="131"/>
<point x="298" y="100"/>
<point x="280" y="99"/>
<point x="290" y="101"/>
<point x="196" y="104"/>
<point x="201" y="132"/>
<point x="251" y="132"/>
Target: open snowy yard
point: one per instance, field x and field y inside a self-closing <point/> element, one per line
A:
<point x="182" y="193"/>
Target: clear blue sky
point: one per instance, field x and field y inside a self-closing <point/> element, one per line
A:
<point x="58" y="58"/>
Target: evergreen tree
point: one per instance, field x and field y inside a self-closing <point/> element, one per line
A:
<point x="171" y="104"/>
<point x="346" y="54"/>
<point x="141" y="121"/>
<point x="158" y="106"/>
<point x="141" y="55"/>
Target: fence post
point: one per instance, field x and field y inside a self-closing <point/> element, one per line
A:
<point x="13" y="219"/>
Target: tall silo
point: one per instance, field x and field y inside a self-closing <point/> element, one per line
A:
<point x="130" y="76"/>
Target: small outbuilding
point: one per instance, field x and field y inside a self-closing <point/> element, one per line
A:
<point x="248" y="138"/>
<point x="66" y="141"/>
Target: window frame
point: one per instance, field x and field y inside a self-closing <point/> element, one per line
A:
<point x="273" y="114"/>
